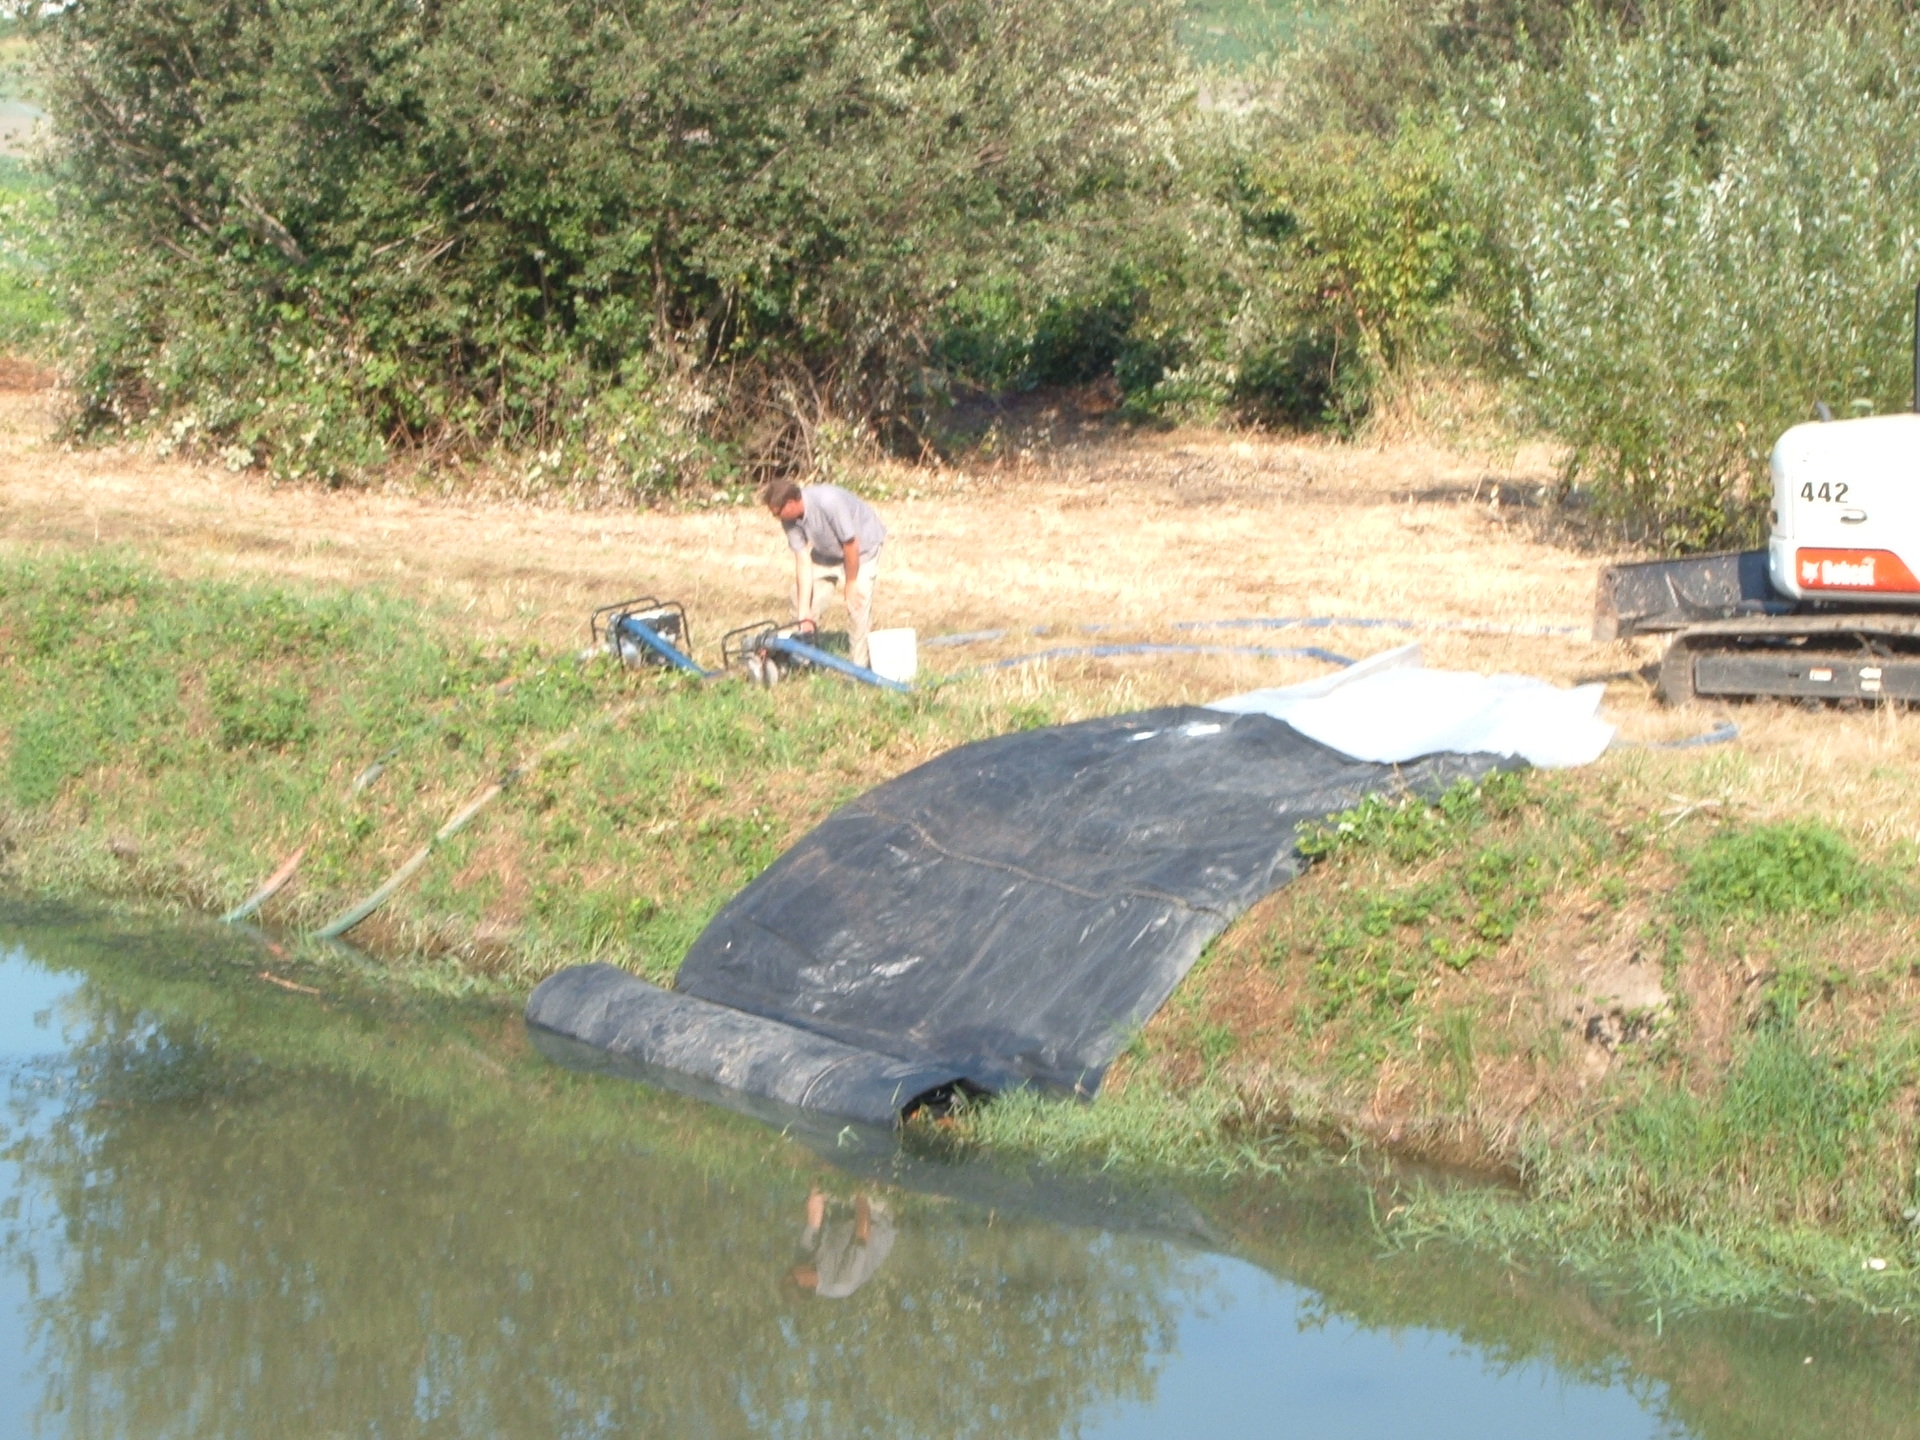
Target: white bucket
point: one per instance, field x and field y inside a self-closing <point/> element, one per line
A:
<point x="894" y="654"/>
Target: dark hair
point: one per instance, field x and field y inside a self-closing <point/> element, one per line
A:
<point x="776" y="493"/>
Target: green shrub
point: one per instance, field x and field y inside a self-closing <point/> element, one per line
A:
<point x="1368" y="244"/>
<point x="359" y="226"/>
<point x="1277" y="283"/>
<point x="29" y="311"/>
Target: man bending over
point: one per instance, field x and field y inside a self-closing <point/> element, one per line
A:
<point x="836" y="540"/>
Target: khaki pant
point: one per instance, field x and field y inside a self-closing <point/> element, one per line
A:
<point x="830" y="584"/>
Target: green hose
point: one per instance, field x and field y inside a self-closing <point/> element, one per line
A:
<point x="349" y="918"/>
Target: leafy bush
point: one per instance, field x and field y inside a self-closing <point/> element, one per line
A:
<point x="1368" y="245"/>
<point x="626" y="235"/>
<point x="1708" y="225"/>
<point x="1696" y="217"/>
<point x="29" y="312"/>
<point x="1278" y="285"/>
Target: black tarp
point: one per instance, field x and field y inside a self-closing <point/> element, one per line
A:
<point x="1010" y="912"/>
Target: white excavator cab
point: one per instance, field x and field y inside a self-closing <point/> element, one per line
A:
<point x="1846" y="512"/>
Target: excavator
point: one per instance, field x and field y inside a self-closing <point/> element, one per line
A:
<point x="1830" y="610"/>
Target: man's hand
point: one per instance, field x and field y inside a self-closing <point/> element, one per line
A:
<point x="807" y="627"/>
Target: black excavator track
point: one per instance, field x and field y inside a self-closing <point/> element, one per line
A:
<point x="1735" y="638"/>
<point x="1832" y="656"/>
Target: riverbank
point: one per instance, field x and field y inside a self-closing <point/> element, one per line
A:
<point x="1670" y="1000"/>
<point x="1674" y="1017"/>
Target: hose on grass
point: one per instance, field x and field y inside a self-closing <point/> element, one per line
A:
<point x="269" y="888"/>
<point x="1277" y="622"/>
<point x="277" y="881"/>
<point x="362" y="782"/>
<point x="410" y="867"/>
<point x="458" y="821"/>
<point x="1724" y="732"/>
<point x="1271" y="652"/>
<point x="347" y="919"/>
<point x="1354" y="622"/>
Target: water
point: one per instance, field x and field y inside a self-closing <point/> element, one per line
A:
<point x="231" y="1209"/>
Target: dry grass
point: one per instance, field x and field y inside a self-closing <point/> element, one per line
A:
<point x="1139" y="530"/>
<point x="1127" y="529"/>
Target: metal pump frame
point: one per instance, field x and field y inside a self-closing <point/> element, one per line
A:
<point x="766" y="638"/>
<point x="660" y="627"/>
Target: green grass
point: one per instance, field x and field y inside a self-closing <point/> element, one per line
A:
<point x="1768" y="871"/>
<point x="181" y="738"/>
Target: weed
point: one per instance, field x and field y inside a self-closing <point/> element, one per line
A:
<point x="1456" y="1033"/>
<point x="1406" y="829"/>
<point x="1799" y="868"/>
<point x="1374" y="950"/>
<point x="250" y="712"/>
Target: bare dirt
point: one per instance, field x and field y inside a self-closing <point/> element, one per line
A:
<point x="1136" y="531"/>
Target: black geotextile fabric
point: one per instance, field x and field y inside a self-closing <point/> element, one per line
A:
<point x="1013" y="910"/>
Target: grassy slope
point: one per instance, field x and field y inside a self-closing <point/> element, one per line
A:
<point x="1690" y="1033"/>
<point x="180" y="739"/>
<point x="1682" y="1031"/>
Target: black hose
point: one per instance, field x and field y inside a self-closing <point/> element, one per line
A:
<point x="1275" y="622"/>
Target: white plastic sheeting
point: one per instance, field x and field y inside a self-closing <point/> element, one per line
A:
<point x="1389" y="708"/>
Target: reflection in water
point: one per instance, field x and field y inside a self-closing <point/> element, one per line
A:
<point x="236" y="1212"/>
<point x="239" y="1246"/>
<point x="843" y="1256"/>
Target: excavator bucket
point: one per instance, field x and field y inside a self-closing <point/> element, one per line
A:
<point x="1657" y="597"/>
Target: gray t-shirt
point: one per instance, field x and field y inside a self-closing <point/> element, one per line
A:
<point x="833" y="517"/>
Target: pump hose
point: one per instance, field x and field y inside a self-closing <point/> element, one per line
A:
<point x="458" y="821"/>
<point x="1272" y="652"/>
<point x="1279" y="622"/>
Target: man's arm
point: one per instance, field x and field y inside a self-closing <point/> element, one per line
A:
<point x="850" y="556"/>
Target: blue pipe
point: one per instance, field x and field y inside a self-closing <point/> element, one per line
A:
<point x="1723" y="733"/>
<point x="969" y="637"/>
<point x="815" y="655"/>
<point x="1271" y="652"/>
<point x="633" y="629"/>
